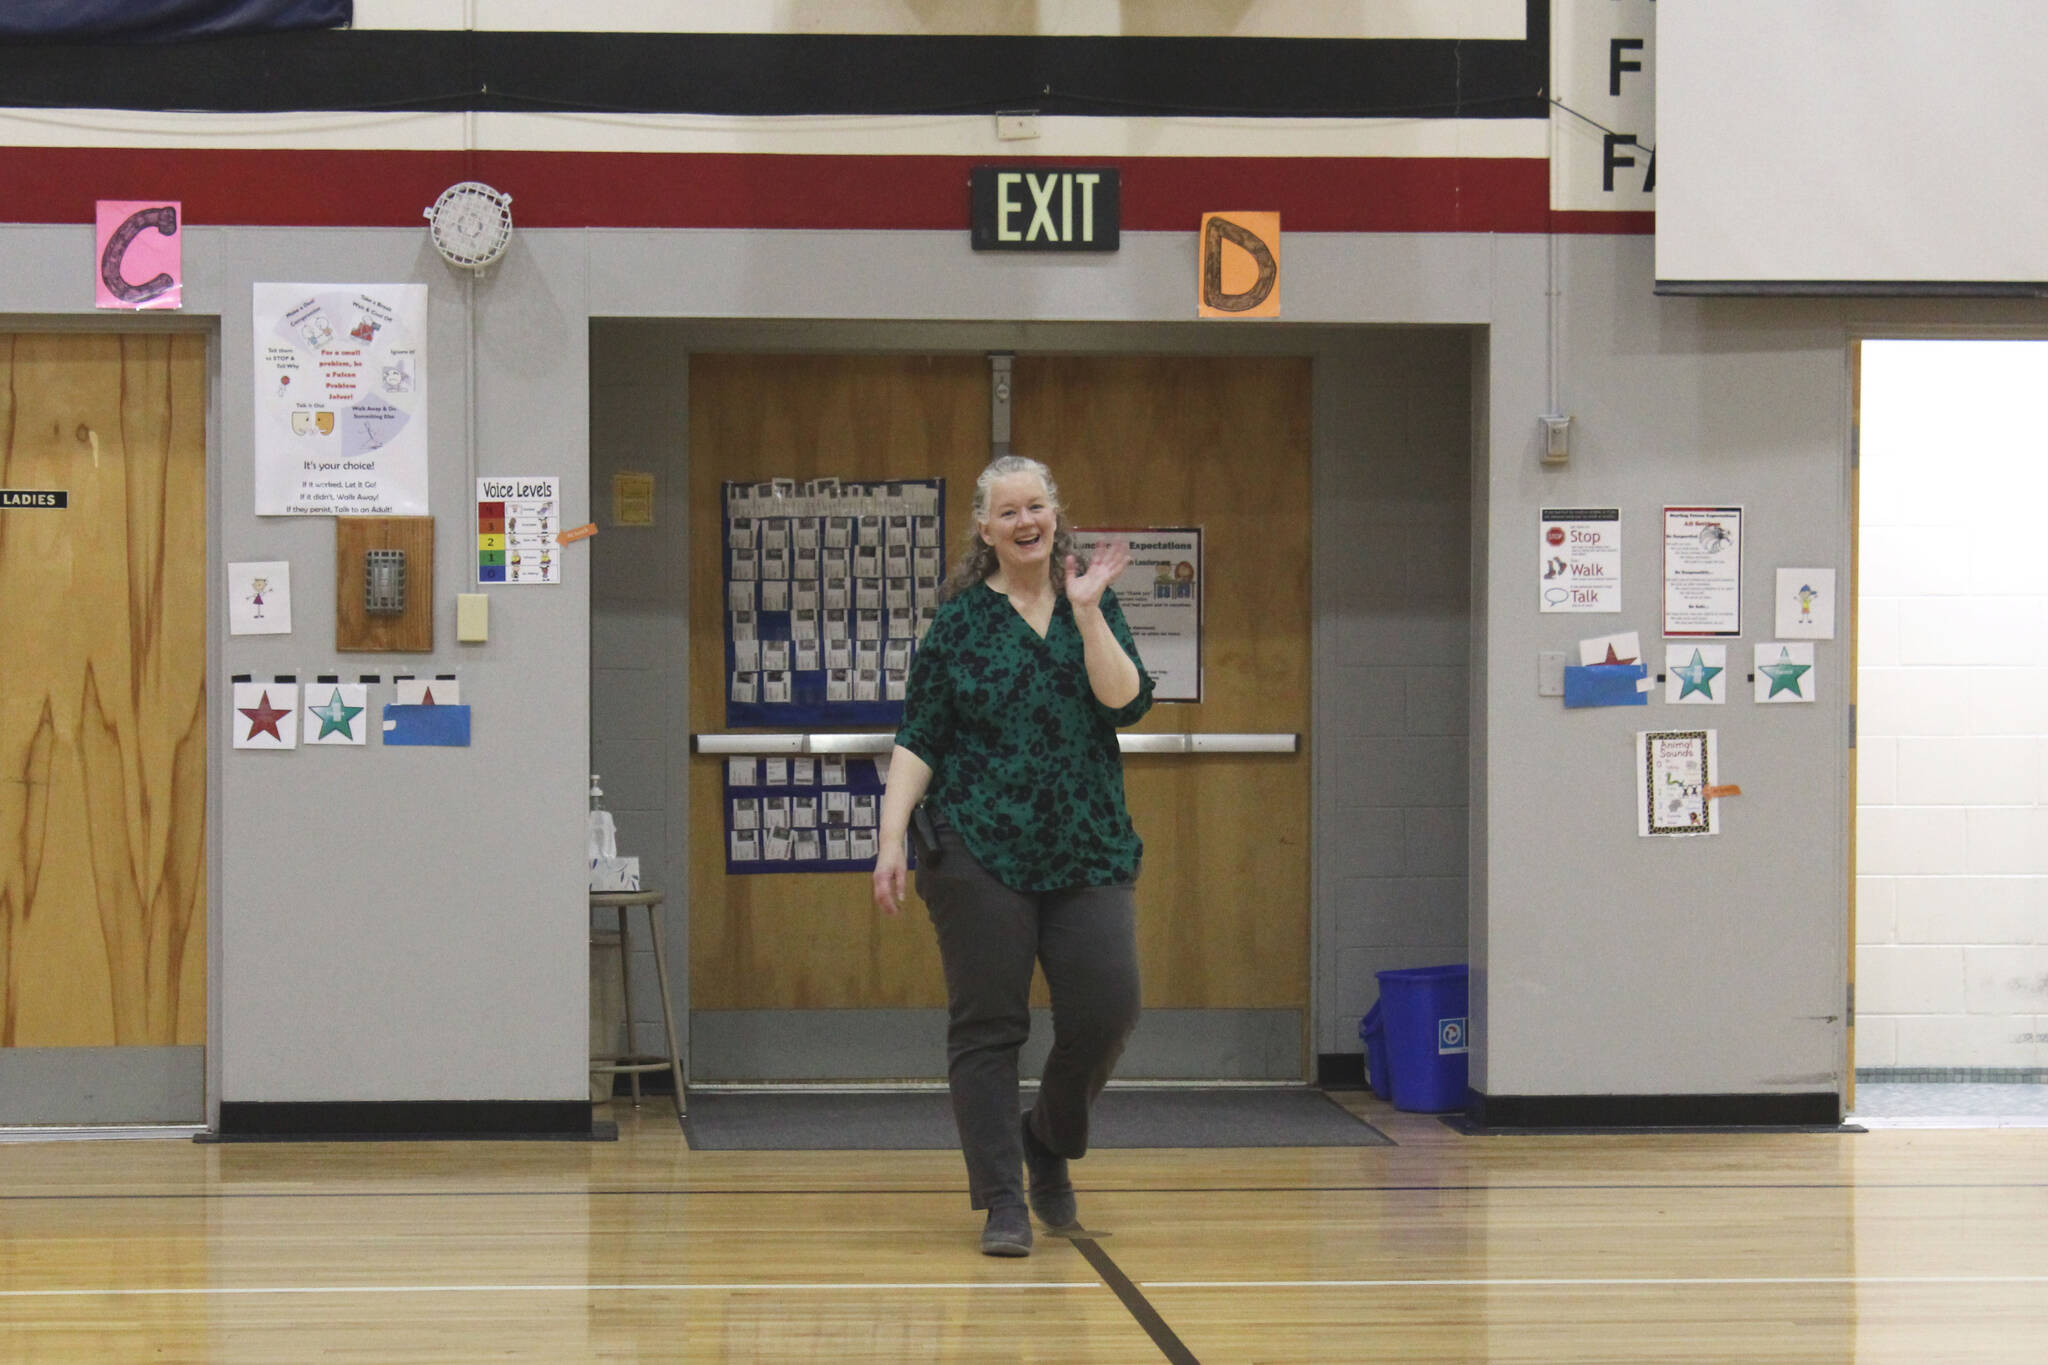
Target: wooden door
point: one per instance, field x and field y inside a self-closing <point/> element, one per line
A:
<point x="1221" y="443"/>
<point x="808" y="941"/>
<point x="103" y="745"/>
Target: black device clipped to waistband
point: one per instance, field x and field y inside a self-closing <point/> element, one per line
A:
<point x="924" y="836"/>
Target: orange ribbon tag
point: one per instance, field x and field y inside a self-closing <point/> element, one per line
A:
<point x="583" y="532"/>
<point x="1716" y="793"/>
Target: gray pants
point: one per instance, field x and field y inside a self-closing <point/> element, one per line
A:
<point x="1086" y="938"/>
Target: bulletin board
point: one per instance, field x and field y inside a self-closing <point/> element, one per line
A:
<point x="828" y="588"/>
<point x="805" y="813"/>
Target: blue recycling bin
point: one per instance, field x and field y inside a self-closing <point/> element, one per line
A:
<point x="1424" y="1014"/>
<point x="1372" y="1032"/>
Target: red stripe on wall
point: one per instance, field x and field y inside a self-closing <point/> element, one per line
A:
<point x="1312" y="194"/>
<point x="220" y="188"/>
<point x="391" y="188"/>
<point x="1609" y="223"/>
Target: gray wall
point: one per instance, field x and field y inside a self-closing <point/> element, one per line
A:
<point x="1618" y="964"/>
<point x="640" y="636"/>
<point x="427" y="944"/>
<point x="1478" y="787"/>
<point x="390" y="924"/>
<point x="1614" y="964"/>
<point x="432" y="950"/>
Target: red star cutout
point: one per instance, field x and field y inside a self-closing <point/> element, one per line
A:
<point x="1611" y="659"/>
<point x="263" y="718"/>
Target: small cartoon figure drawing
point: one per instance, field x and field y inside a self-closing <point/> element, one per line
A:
<point x="1807" y="597"/>
<point x="257" y="587"/>
<point x="317" y="330"/>
<point x="365" y="330"/>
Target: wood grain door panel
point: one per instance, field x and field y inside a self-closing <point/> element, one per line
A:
<point x="103" y="694"/>
<point x="815" y="940"/>
<point x="1221" y="443"/>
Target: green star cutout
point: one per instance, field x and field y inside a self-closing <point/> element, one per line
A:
<point x="1698" y="677"/>
<point x="336" y="718"/>
<point x="1784" y="676"/>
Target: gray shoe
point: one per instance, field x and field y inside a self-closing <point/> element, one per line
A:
<point x="1008" y="1231"/>
<point x="1052" y="1193"/>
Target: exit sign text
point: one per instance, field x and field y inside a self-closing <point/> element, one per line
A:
<point x="1045" y="208"/>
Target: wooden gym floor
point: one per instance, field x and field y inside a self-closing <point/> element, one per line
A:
<point x="1900" y="1245"/>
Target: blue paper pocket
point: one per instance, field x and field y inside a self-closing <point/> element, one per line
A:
<point x="435" y="726"/>
<point x="1605" y="685"/>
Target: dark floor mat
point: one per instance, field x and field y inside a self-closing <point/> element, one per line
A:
<point x="725" y="1121"/>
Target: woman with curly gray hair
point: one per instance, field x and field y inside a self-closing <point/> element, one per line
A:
<point x="1009" y="742"/>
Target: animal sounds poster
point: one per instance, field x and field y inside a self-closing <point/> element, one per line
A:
<point x="341" y="400"/>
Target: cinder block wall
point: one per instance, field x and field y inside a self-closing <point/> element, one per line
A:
<point x="1393" y="544"/>
<point x="640" y="639"/>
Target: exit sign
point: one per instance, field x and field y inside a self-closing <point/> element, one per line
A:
<point x="1045" y="208"/>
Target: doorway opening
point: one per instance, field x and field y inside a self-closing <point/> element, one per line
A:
<point x="1952" y="733"/>
<point x="103" y="729"/>
<point x="1363" y="507"/>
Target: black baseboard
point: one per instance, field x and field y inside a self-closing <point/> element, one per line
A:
<point x="407" y="1121"/>
<point x="1814" y="1109"/>
<point x="1340" y="1070"/>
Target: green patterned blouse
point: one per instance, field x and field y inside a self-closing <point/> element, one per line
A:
<point x="1024" y="759"/>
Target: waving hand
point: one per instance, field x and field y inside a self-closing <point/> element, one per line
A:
<point x="1109" y="560"/>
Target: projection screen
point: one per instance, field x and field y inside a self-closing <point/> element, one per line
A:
<point x="1852" y="146"/>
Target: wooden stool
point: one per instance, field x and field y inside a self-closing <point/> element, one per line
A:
<point x="631" y="1064"/>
